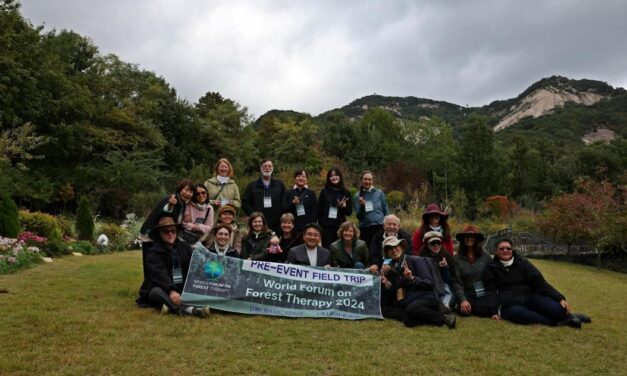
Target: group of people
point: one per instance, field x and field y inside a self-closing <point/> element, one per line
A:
<point x="423" y="280"/>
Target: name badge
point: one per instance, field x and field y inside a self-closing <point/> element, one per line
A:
<point x="300" y="210"/>
<point x="479" y="289"/>
<point x="225" y="201"/>
<point x="333" y="212"/>
<point x="267" y="202"/>
<point x="177" y="276"/>
<point x="369" y="206"/>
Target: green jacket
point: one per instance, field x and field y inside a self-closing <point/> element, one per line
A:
<point x="230" y="191"/>
<point x="343" y="260"/>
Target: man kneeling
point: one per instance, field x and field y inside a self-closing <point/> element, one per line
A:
<point x="166" y="264"/>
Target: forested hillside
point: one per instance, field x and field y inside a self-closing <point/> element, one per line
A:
<point x="75" y="122"/>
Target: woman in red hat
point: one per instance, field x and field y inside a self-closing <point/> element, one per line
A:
<point x="433" y="220"/>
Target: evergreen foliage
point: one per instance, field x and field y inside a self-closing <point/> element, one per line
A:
<point x="9" y="219"/>
<point x="84" y="220"/>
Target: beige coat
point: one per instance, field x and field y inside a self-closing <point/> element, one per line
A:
<point x="230" y="191"/>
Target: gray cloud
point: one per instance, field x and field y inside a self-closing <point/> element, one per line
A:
<point x="314" y="56"/>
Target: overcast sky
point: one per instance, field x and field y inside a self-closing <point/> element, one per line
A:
<point x="313" y="56"/>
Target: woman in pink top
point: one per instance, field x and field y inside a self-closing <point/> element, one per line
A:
<point x="198" y="218"/>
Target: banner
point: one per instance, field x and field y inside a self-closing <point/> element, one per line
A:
<point x="268" y="288"/>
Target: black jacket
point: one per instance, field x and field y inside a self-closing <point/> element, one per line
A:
<point x="376" y="247"/>
<point x="159" y="263"/>
<point x="310" y="204"/>
<point x="256" y="247"/>
<point x="422" y="286"/>
<point x="515" y="284"/>
<point x="157" y="212"/>
<point x="327" y="199"/>
<point x="252" y="201"/>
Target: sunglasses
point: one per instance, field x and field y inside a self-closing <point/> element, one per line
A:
<point x="201" y="193"/>
<point x="168" y="231"/>
<point x="504" y="248"/>
<point x="435" y="243"/>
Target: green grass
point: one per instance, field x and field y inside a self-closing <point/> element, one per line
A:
<point x="77" y="316"/>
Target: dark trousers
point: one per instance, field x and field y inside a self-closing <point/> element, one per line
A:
<point x="367" y="233"/>
<point x="329" y="235"/>
<point x="157" y="298"/>
<point x="538" y="310"/>
<point x="478" y="307"/>
<point x="418" y="312"/>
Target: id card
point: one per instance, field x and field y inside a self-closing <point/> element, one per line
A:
<point x="225" y="201"/>
<point x="479" y="289"/>
<point x="369" y="206"/>
<point x="332" y="212"/>
<point x="267" y="202"/>
<point x="177" y="276"/>
<point x="300" y="210"/>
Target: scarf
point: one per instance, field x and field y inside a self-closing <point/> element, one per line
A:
<point x="507" y="263"/>
<point x="222" y="179"/>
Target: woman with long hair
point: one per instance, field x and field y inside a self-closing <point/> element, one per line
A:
<point x="255" y="243"/>
<point x="334" y="205"/>
<point x="471" y="261"/>
<point x="433" y="219"/>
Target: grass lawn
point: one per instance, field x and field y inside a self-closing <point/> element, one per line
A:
<point x="77" y="316"/>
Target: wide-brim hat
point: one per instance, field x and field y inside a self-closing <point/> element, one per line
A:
<point x="225" y="208"/>
<point x="393" y="241"/>
<point x="433" y="209"/>
<point x="165" y="221"/>
<point x="470" y="230"/>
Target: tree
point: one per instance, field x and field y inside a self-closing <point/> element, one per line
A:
<point x="85" y="220"/>
<point x="9" y="219"/>
<point x="587" y="215"/>
<point x="478" y="165"/>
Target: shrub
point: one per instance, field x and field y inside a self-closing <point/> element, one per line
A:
<point x="84" y="220"/>
<point x="396" y="199"/>
<point x="66" y="225"/>
<point x="9" y="218"/>
<point x="56" y="248"/>
<point x="118" y="236"/>
<point x="14" y="255"/>
<point x="41" y="224"/>
<point x="85" y="247"/>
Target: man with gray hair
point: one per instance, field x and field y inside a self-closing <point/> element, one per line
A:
<point x="265" y="195"/>
<point x="391" y="227"/>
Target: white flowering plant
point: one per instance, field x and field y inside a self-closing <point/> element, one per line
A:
<point x="15" y="254"/>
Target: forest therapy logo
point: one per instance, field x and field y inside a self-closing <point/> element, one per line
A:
<point x="213" y="270"/>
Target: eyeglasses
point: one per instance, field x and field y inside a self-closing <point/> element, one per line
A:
<point x="201" y="193"/>
<point x="168" y="231"/>
<point x="312" y="234"/>
<point x="435" y="243"/>
<point x="504" y="248"/>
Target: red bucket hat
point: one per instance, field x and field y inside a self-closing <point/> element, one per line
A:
<point x="469" y="230"/>
<point x="433" y="209"/>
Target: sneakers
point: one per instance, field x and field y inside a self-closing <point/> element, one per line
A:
<point x="165" y="310"/>
<point x="202" y="313"/>
<point x="450" y="320"/>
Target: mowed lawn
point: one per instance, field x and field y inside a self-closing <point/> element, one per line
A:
<point x="77" y="316"/>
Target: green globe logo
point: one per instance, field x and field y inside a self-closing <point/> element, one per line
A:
<point x="213" y="270"/>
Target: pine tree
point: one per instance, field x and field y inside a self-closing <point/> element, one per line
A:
<point x="9" y="220"/>
<point x="84" y="220"/>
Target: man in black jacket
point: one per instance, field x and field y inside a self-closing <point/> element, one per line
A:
<point x="391" y="227"/>
<point x="265" y="195"/>
<point x="167" y="263"/>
